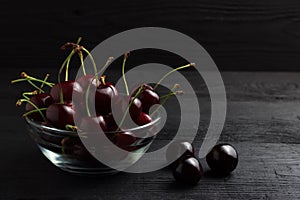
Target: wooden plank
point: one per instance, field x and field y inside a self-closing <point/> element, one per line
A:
<point x="270" y="171"/>
<point x="245" y="35"/>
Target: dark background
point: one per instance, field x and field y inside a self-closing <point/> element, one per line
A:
<point x="240" y="35"/>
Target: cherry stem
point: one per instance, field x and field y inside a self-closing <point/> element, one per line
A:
<point x="109" y="60"/>
<point x="166" y="97"/>
<point x="87" y="99"/>
<point x="170" y="72"/>
<point x="35" y="86"/>
<point x="126" y="55"/>
<point x="95" y="78"/>
<point x="35" y="92"/>
<point x="34" y="111"/>
<point x="45" y="79"/>
<point x="67" y="70"/>
<point x="92" y="60"/>
<point x="20" y="101"/>
<point x="82" y="63"/>
<point x="70" y="127"/>
<point x="102" y="79"/>
<point x="68" y="64"/>
<point x="128" y="107"/>
<point x="26" y="77"/>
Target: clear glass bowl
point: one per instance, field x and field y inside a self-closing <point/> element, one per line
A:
<point x="66" y="151"/>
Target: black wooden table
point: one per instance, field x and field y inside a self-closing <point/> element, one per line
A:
<point x="263" y="123"/>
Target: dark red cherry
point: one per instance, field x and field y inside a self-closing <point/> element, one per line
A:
<point x="86" y="80"/>
<point x="42" y="100"/>
<point x="179" y="150"/>
<point x="59" y="115"/>
<point x="90" y="123"/>
<point x="143" y="119"/>
<point x="222" y="159"/>
<point x="74" y="147"/>
<point x="124" y="140"/>
<point x="188" y="171"/>
<point x="105" y="94"/>
<point x="122" y="104"/>
<point x="148" y="98"/>
<point x="68" y="87"/>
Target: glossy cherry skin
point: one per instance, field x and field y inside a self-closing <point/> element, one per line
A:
<point x="188" y="171"/>
<point x="122" y="103"/>
<point x="68" y="87"/>
<point x="59" y="115"/>
<point x="86" y="80"/>
<point x="105" y="94"/>
<point x="91" y="123"/>
<point x="143" y="119"/>
<point x="148" y="98"/>
<point x="42" y="100"/>
<point x="179" y="150"/>
<point x="124" y="139"/>
<point x="222" y="159"/>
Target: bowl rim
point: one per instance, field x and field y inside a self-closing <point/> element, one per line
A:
<point x="76" y="133"/>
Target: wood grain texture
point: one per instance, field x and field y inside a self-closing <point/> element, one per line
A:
<point x="240" y="35"/>
<point x="262" y="123"/>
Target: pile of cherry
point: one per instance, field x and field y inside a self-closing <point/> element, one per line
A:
<point x="66" y="99"/>
<point x="222" y="160"/>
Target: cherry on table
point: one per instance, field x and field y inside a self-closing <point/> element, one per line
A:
<point x="222" y="159"/>
<point x="60" y="114"/>
<point x="179" y="150"/>
<point x="188" y="171"/>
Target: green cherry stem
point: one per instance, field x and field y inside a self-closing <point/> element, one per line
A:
<point x="92" y="60"/>
<point x="128" y="107"/>
<point x="170" y="72"/>
<point x="70" y="127"/>
<point x="167" y="96"/>
<point x="109" y="60"/>
<point x="35" y="92"/>
<point x="126" y="55"/>
<point x="68" y="65"/>
<point x="90" y="84"/>
<point x="35" y="86"/>
<point x="82" y="63"/>
<point x="67" y="68"/>
<point x="26" y="77"/>
<point x="20" y="101"/>
<point x="45" y="79"/>
<point x="87" y="99"/>
<point x="34" y="111"/>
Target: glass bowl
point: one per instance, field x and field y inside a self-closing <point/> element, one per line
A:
<point x="66" y="150"/>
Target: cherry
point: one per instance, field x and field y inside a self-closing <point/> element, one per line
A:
<point x="60" y="114"/>
<point x="42" y="100"/>
<point x="188" y="171"/>
<point x="124" y="139"/>
<point x="179" y="150"/>
<point x="105" y="94"/>
<point x="90" y="123"/>
<point x="222" y="159"/>
<point x="143" y="119"/>
<point x="74" y="147"/>
<point x="68" y="87"/>
<point x="122" y="104"/>
<point x="148" y="97"/>
<point x="86" y="80"/>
